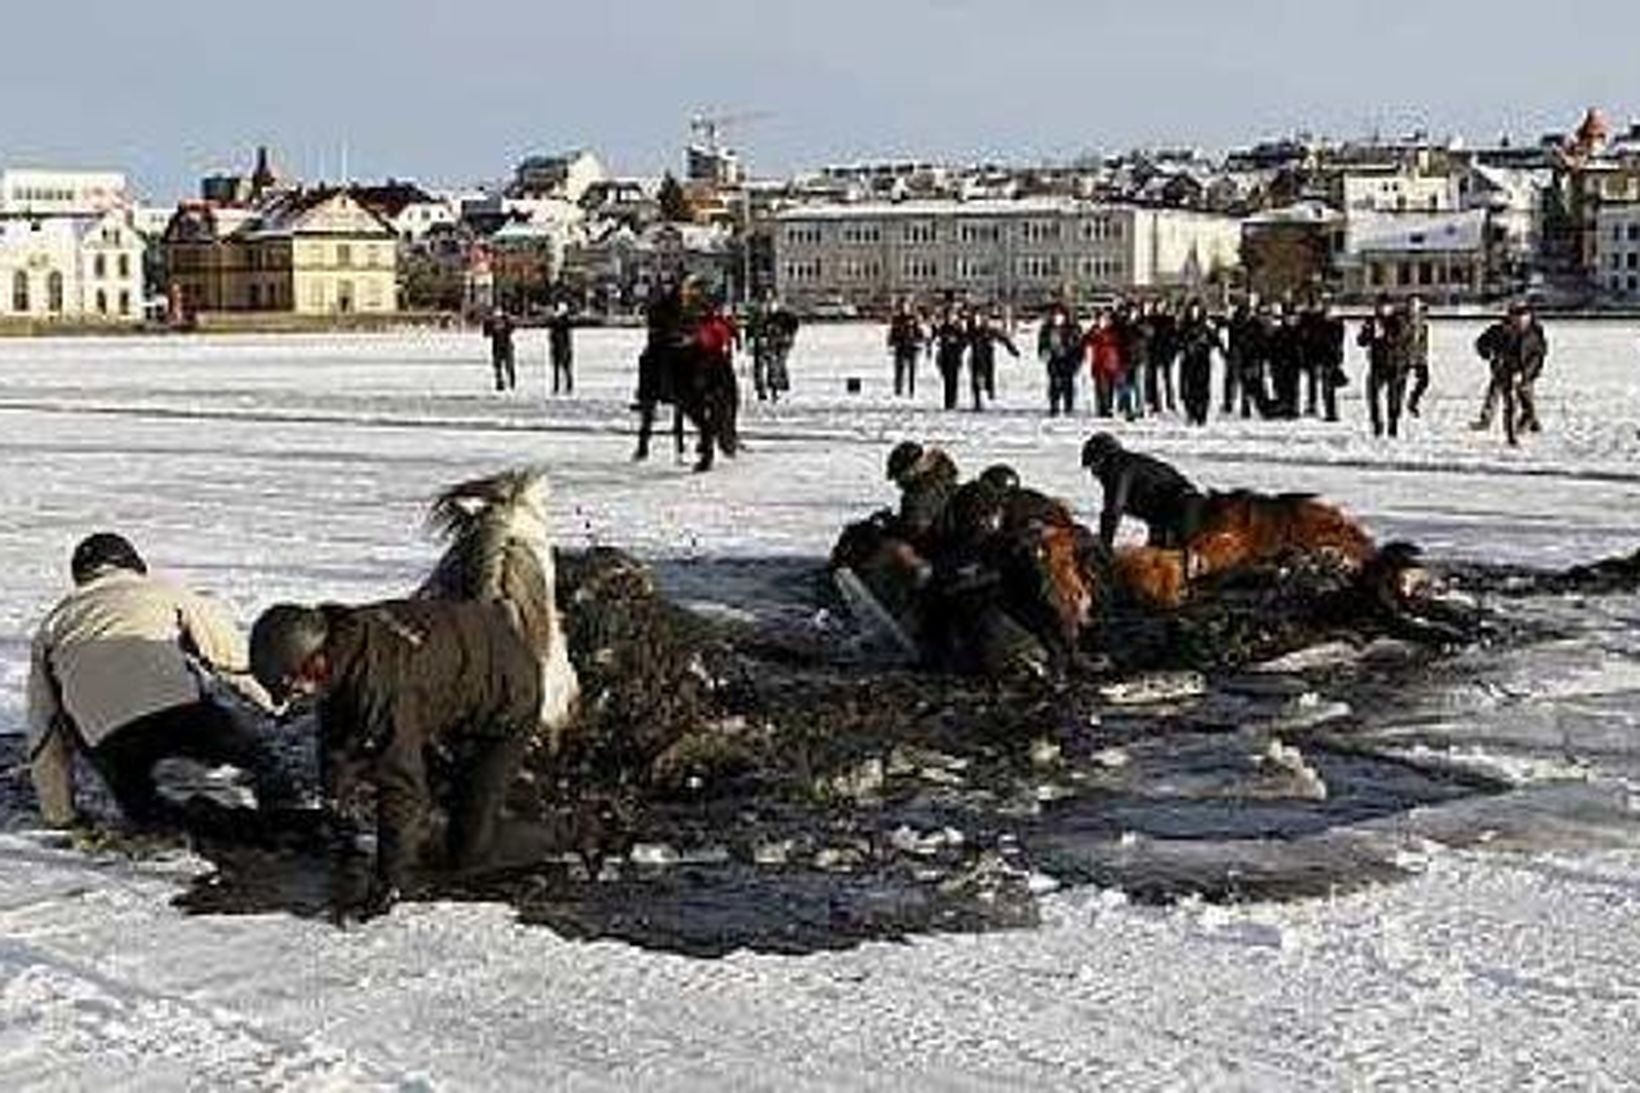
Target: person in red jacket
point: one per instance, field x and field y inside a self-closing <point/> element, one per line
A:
<point x="1103" y="345"/>
<point x="717" y="336"/>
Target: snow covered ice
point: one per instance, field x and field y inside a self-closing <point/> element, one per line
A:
<point x="299" y="468"/>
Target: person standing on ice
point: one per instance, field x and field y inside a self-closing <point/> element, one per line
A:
<point x="1103" y="346"/>
<point x="906" y="340"/>
<point x="1416" y="319"/>
<point x="984" y="335"/>
<point x="561" y="348"/>
<point x="1383" y="337"/>
<point x="1513" y="347"/>
<point x="1324" y="358"/>
<point x="117" y="673"/>
<point x="400" y="685"/>
<point x="1196" y="338"/>
<point x="499" y="329"/>
<point x="950" y="339"/>
<point x="1059" y="348"/>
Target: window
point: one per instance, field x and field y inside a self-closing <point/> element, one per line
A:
<point x="316" y="296"/>
<point x="862" y="234"/>
<point x="920" y="268"/>
<point x="920" y="231"/>
<point x="1037" y="266"/>
<point x="803" y="235"/>
<point x="54" y="292"/>
<point x="125" y="266"/>
<point x="344" y="255"/>
<point x="102" y="302"/>
<point x="803" y="269"/>
<point x="1634" y="233"/>
<point x="1039" y="231"/>
<point x="125" y="302"/>
<point x="99" y="267"/>
<point x="979" y="232"/>
<point x="1633" y="260"/>
<point x="19" y="292"/>
<point x="254" y="297"/>
<point x="1634" y="283"/>
<point x="1426" y="273"/>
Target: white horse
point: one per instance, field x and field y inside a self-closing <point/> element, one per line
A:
<point x="501" y="549"/>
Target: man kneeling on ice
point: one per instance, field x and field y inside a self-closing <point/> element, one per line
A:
<point x="1141" y="486"/>
<point x="117" y="672"/>
<point x="399" y="685"/>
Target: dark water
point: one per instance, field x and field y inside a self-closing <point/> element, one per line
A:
<point x="881" y="805"/>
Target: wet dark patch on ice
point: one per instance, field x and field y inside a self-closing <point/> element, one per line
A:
<point x="761" y="786"/>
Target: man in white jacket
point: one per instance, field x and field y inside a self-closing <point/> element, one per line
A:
<point x="116" y="674"/>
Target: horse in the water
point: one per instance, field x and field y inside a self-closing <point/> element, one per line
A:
<point x="501" y="549"/>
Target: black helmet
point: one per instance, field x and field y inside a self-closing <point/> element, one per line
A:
<point x="1000" y="476"/>
<point x="903" y="458"/>
<point x="101" y="552"/>
<point x="282" y="640"/>
<point x="1099" y="447"/>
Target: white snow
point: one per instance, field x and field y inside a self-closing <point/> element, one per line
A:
<point x="298" y="468"/>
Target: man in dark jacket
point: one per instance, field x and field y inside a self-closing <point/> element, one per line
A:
<point x="1530" y="349"/>
<point x="984" y="335"/>
<point x="950" y="343"/>
<point x="1383" y="336"/>
<point x="1514" y="348"/>
<point x="1285" y="355"/>
<point x="499" y="329"/>
<point x="1323" y="358"/>
<point x="1164" y="348"/>
<point x="1240" y="342"/>
<point x="401" y="685"/>
<point x="561" y="349"/>
<point x="1059" y="348"/>
<point x="905" y="342"/>
<point x="1144" y="487"/>
<point x="1197" y="338"/>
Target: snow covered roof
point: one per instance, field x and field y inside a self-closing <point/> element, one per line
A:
<point x="1303" y="212"/>
<point x="1023" y="206"/>
<point x="1415" y="233"/>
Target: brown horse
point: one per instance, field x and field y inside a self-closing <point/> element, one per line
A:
<point x="1244" y="528"/>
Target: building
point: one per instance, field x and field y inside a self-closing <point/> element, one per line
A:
<point x="31" y="192"/>
<point x="1617" y="251"/>
<point x="1439" y="256"/>
<point x="411" y="210"/>
<point x="566" y="175"/>
<point x="71" y="268"/>
<point x="1398" y="191"/>
<point x="1292" y="250"/>
<point x="306" y="252"/>
<point x="1022" y="252"/>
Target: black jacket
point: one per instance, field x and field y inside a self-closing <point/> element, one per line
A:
<point x="561" y="337"/>
<point x="1385" y="342"/>
<point x="1145" y="487"/>
<point x="408" y="676"/>
<point x="982" y="346"/>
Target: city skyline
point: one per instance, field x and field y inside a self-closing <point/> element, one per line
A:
<point x="450" y="94"/>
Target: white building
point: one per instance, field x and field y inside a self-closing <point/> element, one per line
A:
<point x="1439" y="256"/>
<point x="1617" y="251"/>
<point x="32" y="192"/>
<point x="1026" y="251"/>
<point x="566" y="175"/>
<point x="1400" y="192"/>
<point x="71" y="268"/>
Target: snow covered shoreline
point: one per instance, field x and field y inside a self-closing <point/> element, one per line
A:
<point x="297" y="468"/>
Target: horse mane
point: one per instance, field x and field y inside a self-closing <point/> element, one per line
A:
<point x="500" y="550"/>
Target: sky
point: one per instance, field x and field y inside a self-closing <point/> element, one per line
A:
<point x="452" y="92"/>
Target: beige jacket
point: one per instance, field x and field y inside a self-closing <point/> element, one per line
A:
<point x="112" y="651"/>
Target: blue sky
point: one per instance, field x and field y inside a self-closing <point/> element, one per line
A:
<point x="452" y="92"/>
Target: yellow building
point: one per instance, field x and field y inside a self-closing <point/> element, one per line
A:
<point x="302" y="252"/>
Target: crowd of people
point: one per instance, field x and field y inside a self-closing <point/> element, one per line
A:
<point x="1276" y="360"/>
<point x="1157" y="356"/>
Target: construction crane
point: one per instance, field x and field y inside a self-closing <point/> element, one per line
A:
<point x="708" y="129"/>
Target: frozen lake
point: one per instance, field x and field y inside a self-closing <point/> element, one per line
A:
<point x="298" y="468"/>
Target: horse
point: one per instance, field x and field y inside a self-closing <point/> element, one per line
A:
<point x="1244" y="528"/>
<point x="699" y="385"/>
<point x="500" y="549"/>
